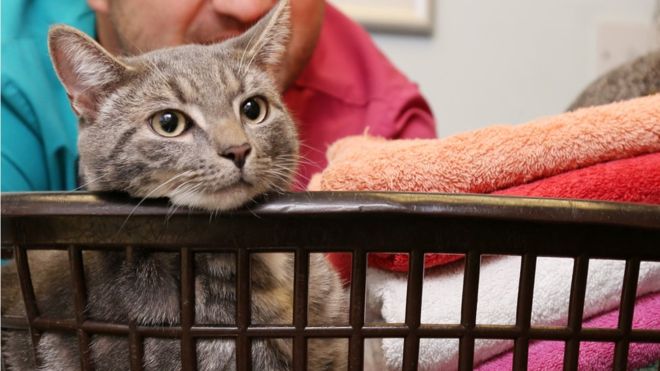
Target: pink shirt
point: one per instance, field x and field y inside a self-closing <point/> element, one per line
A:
<point x="350" y="87"/>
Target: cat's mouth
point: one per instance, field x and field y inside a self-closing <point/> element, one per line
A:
<point x="228" y="197"/>
<point x="243" y="181"/>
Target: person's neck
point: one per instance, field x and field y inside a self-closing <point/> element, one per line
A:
<point x="106" y="35"/>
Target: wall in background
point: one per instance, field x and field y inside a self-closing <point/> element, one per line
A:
<point x="508" y="61"/>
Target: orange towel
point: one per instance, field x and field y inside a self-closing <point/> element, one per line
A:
<point x="495" y="157"/>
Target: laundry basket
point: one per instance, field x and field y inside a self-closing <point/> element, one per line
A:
<point x="358" y="223"/>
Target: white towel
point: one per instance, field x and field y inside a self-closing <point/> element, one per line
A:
<point x="498" y="293"/>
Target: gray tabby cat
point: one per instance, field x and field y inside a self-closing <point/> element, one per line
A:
<point x="204" y="126"/>
<point x="637" y="78"/>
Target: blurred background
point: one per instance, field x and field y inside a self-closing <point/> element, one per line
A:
<point x="509" y="61"/>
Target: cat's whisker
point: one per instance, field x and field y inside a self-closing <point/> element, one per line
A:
<point x="170" y="212"/>
<point x="181" y="186"/>
<point x="152" y="66"/>
<point x="279" y="176"/>
<point x="263" y="37"/>
<point x="295" y="160"/>
<point x="151" y="63"/>
<point x="174" y="207"/>
<point x="192" y="191"/>
<point x="279" y="184"/>
<point x="294" y="163"/>
<point x="158" y="71"/>
<point x="185" y="191"/>
<point x="245" y="50"/>
<point x="257" y="147"/>
<point x="285" y="170"/>
<point x="291" y="157"/>
<point x="253" y="213"/>
<point x="149" y="194"/>
<point x="307" y="146"/>
<point x="247" y="67"/>
<point x="277" y="179"/>
<point x="90" y="182"/>
<point x="260" y="42"/>
<point x="213" y="214"/>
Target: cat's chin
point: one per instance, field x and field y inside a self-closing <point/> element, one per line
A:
<point x="228" y="198"/>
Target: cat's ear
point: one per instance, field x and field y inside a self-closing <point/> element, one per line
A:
<point x="84" y="67"/>
<point x="265" y="43"/>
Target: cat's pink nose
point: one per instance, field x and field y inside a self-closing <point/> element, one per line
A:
<point x="237" y="154"/>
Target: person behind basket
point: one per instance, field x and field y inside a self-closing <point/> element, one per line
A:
<point x="336" y="82"/>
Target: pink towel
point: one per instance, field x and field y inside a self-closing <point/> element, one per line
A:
<point x="549" y="355"/>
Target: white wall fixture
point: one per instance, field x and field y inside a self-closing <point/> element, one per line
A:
<point x="396" y="16"/>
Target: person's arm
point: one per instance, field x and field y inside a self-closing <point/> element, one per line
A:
<point x="23" y="166"/>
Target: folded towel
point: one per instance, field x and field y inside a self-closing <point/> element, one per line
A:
<point x="635" y="179"/>
<point x="498" y="292"/>
<point x="504" y="159"/>
<point x="549" y="355"/>
<point x="495" y="157"/>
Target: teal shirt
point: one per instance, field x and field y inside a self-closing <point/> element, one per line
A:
<point x="39" y="128"/>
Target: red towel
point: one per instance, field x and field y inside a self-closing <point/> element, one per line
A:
<point x="634" y="179"/>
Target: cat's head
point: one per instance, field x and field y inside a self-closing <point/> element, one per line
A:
<point x="203" y="125"/>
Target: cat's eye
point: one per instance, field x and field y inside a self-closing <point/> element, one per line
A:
<point x="169" y="123"/>
<point x="254" y="110"/>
